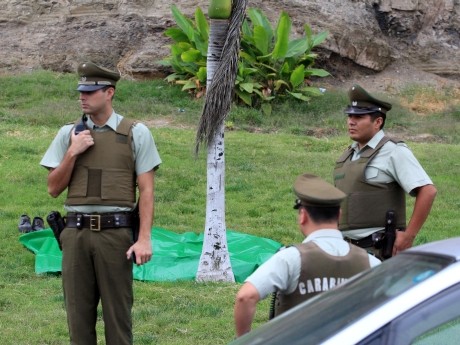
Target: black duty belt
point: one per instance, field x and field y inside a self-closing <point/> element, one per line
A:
<point x="364" y="242"/>
<point x="99" y="221"/>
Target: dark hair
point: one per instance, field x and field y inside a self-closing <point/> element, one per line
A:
<point x="105" y="88"/>
<point x="323" y="214"/>
<point x="378" y="114"/>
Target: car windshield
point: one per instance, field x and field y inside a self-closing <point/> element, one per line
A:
<point x="318" y="319"/>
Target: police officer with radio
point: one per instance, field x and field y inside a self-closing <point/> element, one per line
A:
<point x="104" y="161"/>
<point x="376" y="172"/>
<point x="322" y="261"/>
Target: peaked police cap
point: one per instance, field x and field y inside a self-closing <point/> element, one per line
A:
<point x="94" y="77"/>
<point x="363" y="103"/>
<point x="314" y="191"/>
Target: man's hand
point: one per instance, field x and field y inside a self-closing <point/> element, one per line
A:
<point x="81" y="142"/>
<point x="423" y="201"/>
<point x="403" y="241"/>
<point x="142" y="250"/>
<point x="59" y="177"/>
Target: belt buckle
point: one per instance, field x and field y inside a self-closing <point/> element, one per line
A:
<point x="95" y="222"/>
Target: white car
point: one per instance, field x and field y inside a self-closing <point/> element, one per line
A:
<point x="412" y="298"/>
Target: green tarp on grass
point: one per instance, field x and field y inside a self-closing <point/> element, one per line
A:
<point x="175" y="256"/>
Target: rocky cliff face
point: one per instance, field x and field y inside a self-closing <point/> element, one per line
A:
<point x="58" y="34"/>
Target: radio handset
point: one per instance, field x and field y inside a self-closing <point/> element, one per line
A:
<point x="81" y="126"/>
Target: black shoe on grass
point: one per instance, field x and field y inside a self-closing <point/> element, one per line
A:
<point x="24" y="224"/>
<point x="38" y="224"/>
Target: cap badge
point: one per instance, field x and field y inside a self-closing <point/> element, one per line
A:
<point x="354" y="103"/>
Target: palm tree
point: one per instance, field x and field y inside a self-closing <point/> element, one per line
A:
<point x="222" y="65"/>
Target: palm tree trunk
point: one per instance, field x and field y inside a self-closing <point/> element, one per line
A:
<point x="222" y="67"/>
<point x="215" y="260"/>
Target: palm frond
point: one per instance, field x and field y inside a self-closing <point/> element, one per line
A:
<point x="219" y="94"/>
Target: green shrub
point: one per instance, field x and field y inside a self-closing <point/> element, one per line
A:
<point x="189" y="51"/>
<point x="274" y="66"/>
<point x="271" y="66"/>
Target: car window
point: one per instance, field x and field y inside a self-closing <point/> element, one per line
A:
<point x="323" y="316"/>
<point x="436" y="321"/>
<point x="446" y="334"/>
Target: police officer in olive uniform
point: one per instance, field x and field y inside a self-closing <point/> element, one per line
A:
<point x="322" y="261"/>
<point x="104" y="161"/>
<point x="375" y="172"/>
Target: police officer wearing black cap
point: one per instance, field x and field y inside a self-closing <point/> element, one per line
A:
<point x="297" y="273"/>
<point x="103" y="166"/>
<point x="376" y="172"/>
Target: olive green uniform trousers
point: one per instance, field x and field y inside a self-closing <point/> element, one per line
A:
<point x="95" y="268"/>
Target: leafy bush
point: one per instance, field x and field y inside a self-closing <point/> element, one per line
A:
<point x="189" y="51"/>
<point x="271" y="65"/>
<point x="274" y="66"/>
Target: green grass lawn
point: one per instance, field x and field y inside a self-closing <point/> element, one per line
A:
<point x="263" y="157"/>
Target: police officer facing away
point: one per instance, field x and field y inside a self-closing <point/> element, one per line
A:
<point x="375" y="172"/>
<point x="101" y="167"/>
<point x="297" y="273"/>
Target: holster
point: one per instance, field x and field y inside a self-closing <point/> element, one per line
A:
<point x="57" y="224"/>
<point x="389" y="236"/>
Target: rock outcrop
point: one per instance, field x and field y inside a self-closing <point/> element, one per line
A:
<point x="57" y="34"/>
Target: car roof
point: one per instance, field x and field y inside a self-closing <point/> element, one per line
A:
<point x="448" y="247"/>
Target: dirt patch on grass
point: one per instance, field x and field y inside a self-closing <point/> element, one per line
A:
<point x="392" y="80"/>
<point x="429" y="101"/>
<point x="165" y="122"/>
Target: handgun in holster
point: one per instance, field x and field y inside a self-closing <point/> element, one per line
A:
<point x="57" y="224"/>
<point x="389" y="237"/>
